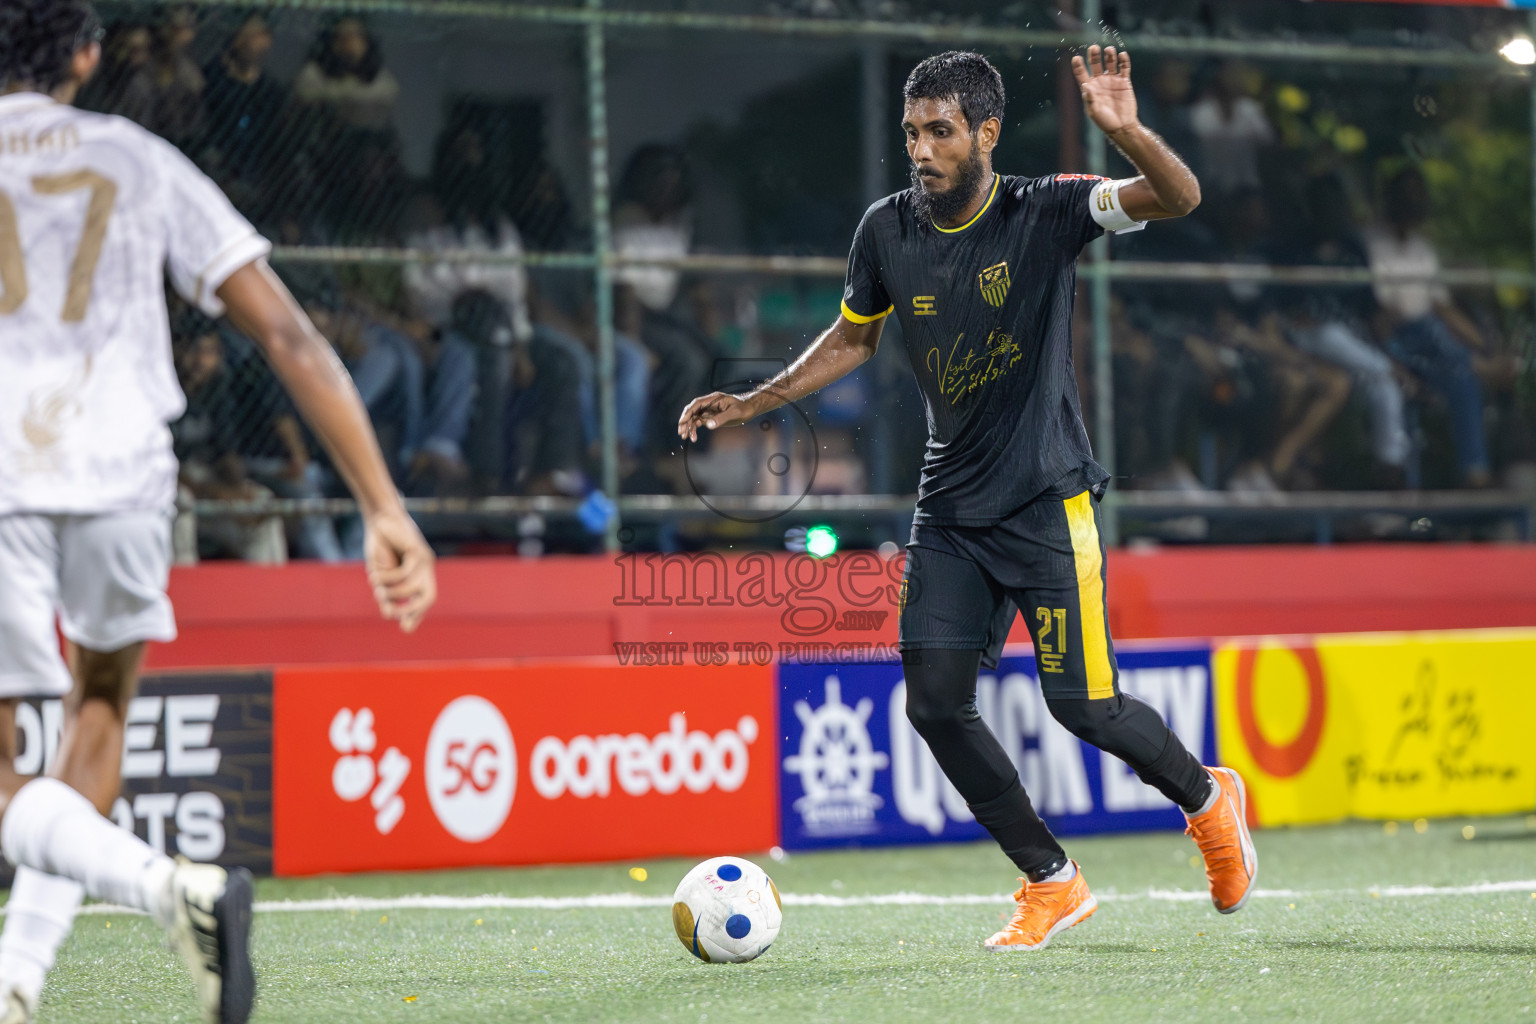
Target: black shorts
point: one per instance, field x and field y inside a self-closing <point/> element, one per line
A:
<point x="963" y="584"/>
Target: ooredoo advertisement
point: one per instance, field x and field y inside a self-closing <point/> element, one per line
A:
<point x="395" y="768"/>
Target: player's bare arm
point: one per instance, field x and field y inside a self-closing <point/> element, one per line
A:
<point x="399" y="561"/>
<point x="840" y="350"/>
<point x="1167" y="187"/>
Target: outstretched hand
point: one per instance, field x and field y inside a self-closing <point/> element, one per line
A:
<point x="712" y="411"/>
<point x="1105" y="81"/>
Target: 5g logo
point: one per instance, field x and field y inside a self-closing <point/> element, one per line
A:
<point x="471" y="769"/>
<point x="474" y="770"/>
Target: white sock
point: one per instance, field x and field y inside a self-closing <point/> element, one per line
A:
<point x="52" y="828"/>
<point x="1066" y="874"/>
<point x="38" y="916"/>
<point x="1210" y="801"/>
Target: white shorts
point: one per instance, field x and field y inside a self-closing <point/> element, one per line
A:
<point x="102" y="576"/>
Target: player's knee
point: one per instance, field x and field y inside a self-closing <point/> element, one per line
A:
<point x="105" y="680"/>
<point x="1126" y="727"/>
<point x="1086" y="719"/>
<point x="941" y="688"/>
<point x="928" y="715"/>
<point x="934" y="707"/>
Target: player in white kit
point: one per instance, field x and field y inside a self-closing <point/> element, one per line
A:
<point x="93" y="211"/>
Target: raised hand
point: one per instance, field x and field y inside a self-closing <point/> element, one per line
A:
<point x="1105" y="81"/>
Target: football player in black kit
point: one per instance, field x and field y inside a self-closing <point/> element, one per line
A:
<point x="980" y="269"/>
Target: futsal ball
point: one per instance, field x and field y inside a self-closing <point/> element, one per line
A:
<point x="727" y="910"/>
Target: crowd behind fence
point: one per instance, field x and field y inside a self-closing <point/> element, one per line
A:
<point x="431" y="175"/>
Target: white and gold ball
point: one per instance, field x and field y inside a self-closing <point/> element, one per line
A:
<point x="727" y="910"/>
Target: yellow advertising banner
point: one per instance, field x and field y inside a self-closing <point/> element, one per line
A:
<point x="1379" y="725"/>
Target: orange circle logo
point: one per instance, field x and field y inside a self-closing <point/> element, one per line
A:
<point x="1282" y="761"/>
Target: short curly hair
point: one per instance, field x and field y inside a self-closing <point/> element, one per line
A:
<point x="38" y="38"/>
<point x="967" y="78"/>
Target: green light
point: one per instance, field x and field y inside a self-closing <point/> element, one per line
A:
<point x="820" y="542"/>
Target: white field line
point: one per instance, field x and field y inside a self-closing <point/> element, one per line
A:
<point x="628" y="901"/>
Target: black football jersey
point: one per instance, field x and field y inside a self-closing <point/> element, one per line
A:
<point x="986" y="311"/>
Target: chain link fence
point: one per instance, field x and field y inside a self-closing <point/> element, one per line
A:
<point x="534" y="231"/>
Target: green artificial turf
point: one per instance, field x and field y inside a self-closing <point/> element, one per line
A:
<point x="1323" y="949"/>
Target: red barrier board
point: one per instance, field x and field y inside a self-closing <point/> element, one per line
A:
<point x="499" y="608"/>
<point x="431" y="766"/>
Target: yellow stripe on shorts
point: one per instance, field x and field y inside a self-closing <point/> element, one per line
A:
<point x="1090" y="595"/>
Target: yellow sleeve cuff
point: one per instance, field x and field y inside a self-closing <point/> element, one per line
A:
<point x="856" y="318"/>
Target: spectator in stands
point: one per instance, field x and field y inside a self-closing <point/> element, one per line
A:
<point x="346" y="76"/>
<point x="1333" y="324"/>
<point x="564" y="313"/>
<point x="467" y="213"/>
<point x="1156" y="384"/>
<point x="165" y="95"/>
<point x="1233" y="130"/>
<point x="1303" y="394"/>
<point x="126" y="52"/>
<point x="208" y="440"/>
<point x="242" y="427"/>
<point x="386" y="367"/>
<point x="1166" y="107"/>
<point x="464" y="410"/>
<point x="486" y="335"/>
<point x="653" y="218"/>
<point x="542" y="210"/>
<point x="350" y="161"/>
<point x="1427" y="333"/>
<point x="524" y="430"/>
<point x="433" y="287"/>
<point x="246" y="146"/>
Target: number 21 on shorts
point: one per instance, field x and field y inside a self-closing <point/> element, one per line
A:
<point x="1051" y="639"/>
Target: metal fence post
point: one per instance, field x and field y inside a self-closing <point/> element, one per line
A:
<point x="1098" y="312"/>
<point x="602" y="249"/>
<point x="874" y="145"/>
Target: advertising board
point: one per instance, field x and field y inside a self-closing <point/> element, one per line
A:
<point x="1380" y="725"/>
<point x="197" y="763"/>
<point x="855" y="772"/>
<point x="399" y="767"/>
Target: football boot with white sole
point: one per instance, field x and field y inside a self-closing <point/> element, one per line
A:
<point x="211" y="928"/>
<point x="15" y="1008"/>
<point x="1044" y="909"/>
<point x="1231" y="862"/>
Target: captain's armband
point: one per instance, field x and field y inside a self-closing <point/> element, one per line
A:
<point x="1104" y="207"/>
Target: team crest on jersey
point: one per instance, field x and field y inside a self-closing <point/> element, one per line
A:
<point x="994" y="284"/>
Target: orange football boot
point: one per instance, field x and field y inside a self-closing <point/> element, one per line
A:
<point x="1231" y="862"/>
<point x="1045" y="908"/>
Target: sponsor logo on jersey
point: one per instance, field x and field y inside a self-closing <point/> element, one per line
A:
<point x="922" y="305"/>
<point x="994" y="284"/>
<point x="961" y="376"/>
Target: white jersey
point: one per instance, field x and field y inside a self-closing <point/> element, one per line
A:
<point x="93" y="208"/>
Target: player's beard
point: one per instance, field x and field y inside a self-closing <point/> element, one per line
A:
<point x="945" y="206"/>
